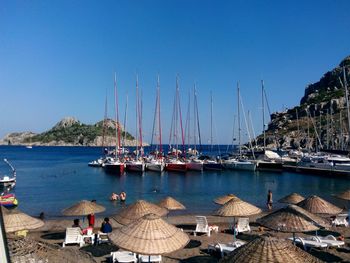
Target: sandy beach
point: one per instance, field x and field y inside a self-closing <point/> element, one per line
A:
<point x="53" y="232"/>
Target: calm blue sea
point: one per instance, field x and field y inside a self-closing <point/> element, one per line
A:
<point x="50" y="179"/>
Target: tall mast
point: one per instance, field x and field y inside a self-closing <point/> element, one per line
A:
<point x="197" y="116"/>
<point x="140" y="122"/>
<point x="347" y="101"/>
<point x="179" y="107"/>
<point x="308" y="130"/>
<point x="159" y="123"/>
<point x="117" y="147"/>
<point x="263" y="111"/>
<point x="137" y="116"/>
<point x="239" y="121"/>
<point x="104" y="126"/>
<point x="211" y="121"/>
<point x="125" y="118"/>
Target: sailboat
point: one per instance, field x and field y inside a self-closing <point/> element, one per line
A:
<point x="156" y="162"/>
<point x="270" y="161"/>
<point x="137" y="165"/>
<point x="193" y="163"/>
<point x="174" y="163"/>
<point x="116" y="164"/>
<point x="210" y="164"/>
<point x="239" y="163"/>
<point x="99" y="162"/>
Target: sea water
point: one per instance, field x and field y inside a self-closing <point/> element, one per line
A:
<point x="50" y="179"/>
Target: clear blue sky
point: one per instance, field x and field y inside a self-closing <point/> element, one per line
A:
<point x="57" y="58"/>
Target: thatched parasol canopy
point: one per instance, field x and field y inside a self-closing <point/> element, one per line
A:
<point x="137" y="210"/>
<point x="30" y="250"/>
<point x="171" y="204"/>
<point x="83" y="208"/>
<point x="15" y="220"/>
<point x="293" y="198"/>
<point x="237" y="207"/>
<point x="292" y="219"/>
<point x="149" y="235"/>
<point x="317" y="205"/>
<point x="269" y="249"/>
<point x="344" y="195"/>
<point x="224" y="199"/>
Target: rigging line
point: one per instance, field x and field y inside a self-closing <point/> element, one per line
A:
<point x="182" y="131"/>
<point x="245" y="120"/>
<point x="125" y="117"/>
<point x="154" y="118"/>
<point x="197" y="115"/>
<point x="172" y="123"/>
<point x="159" y="122"/>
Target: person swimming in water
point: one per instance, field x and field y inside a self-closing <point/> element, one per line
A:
<point x="122" y="196"/>
<point x="114" y="197"/>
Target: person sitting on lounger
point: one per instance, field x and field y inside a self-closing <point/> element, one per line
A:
<point x="106" y="227"/>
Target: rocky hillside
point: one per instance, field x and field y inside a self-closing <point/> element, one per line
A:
<point x="71" y="132"/>
<point x="320" y="121"/>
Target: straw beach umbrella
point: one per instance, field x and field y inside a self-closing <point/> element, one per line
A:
<point x="15" y="220"/>
<point x="292" y="219"/>
<point x="83" y="208"/>
<point x="237" y="208"/>
<point x="292" y="198"/>
<point x="269" y="249"/>
<point x="171" y="204"/>
<point x="149" y="235"/>
<point x="30" y="250"/>
<point x="137" y="210"/>
<point x="317" y="205"/>
<point x="344" y="195"/>
<point x="224" y="199"/>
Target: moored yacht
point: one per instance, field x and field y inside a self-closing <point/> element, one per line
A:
<point x="113" y="165"/>
<point x="176" y="165"/>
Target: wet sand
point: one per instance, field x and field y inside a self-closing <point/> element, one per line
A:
<point x="196" y="251"/>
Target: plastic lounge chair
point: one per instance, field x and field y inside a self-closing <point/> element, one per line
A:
<point x="307" y="244"/>
<point x="73" y="236"/>
<point x="202" y="226"/>
<point x="225" y="248"/>
<point x="102" y="238"/>
<point x="243" y="225"/>
<point x="151" y="258"/>
<point x="123" y="257"/>
<point x="331" y="241"/>
<point x="340" y="220"/>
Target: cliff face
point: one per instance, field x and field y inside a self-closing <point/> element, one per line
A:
<point x="320" y="121"/>
<point x="71" y="132"/>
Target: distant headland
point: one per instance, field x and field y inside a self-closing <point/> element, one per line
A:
<point x="71" y="132"/>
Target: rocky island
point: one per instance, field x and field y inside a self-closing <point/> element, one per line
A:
<point x="71" y="132"/>
<point x="321" y="119"/>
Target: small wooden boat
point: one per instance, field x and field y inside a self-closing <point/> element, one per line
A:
<point x="8" y="200"/>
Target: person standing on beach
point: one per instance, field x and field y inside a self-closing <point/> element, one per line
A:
<point x="91" y="219"/>
<point x="269" y="200"/>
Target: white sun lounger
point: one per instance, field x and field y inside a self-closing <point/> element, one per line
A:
<point x="243" y="225"/>
<point x="225" y="248"/>
<point x="340" y="220"/>
<point x="309" y="243"/>
<point x="73" y="236"/>
<point x="202" y="226"/>
<point x="331" y="241"/>
<point x="151" y="258"/>
<point x="123" y="257"/>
